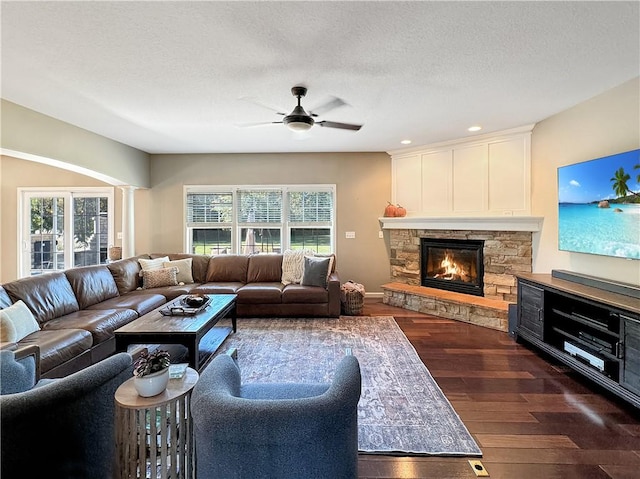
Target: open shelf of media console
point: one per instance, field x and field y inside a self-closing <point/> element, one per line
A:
<point x="591" y="325"/>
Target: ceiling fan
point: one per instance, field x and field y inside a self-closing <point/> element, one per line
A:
<point x="300" y="120"/>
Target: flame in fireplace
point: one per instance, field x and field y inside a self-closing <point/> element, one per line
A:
<point x="450" y="270"/>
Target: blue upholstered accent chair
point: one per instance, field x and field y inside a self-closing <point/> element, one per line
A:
<point x="58" y="428"/>
<point x="278" y="431"/>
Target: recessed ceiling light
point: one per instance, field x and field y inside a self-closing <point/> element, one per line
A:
<point x="474" y="128"/>
<point x="406" y="142"/>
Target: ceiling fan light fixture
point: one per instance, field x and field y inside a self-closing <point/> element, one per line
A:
<point x="298" y="120"/>
<point x="299" y="126"/>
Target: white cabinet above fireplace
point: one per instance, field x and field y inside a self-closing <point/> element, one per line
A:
<point x="487" y="175"/>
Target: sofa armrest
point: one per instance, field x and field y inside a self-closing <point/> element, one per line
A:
<point x="19" y="371"/>
<point x="25" y="352"/>
<point x="333" y="287"/>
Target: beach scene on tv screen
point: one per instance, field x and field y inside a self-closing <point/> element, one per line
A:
<point x="599" y="206"/>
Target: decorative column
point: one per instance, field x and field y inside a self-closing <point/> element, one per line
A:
<point x="128" y="222"/>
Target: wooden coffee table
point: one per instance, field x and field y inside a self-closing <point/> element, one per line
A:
<point x="155" y="328"/>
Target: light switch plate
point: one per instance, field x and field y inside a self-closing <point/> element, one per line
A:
<point x="350" y="234"/>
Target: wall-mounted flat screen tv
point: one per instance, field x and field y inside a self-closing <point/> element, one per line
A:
<point x="599" y="206"/>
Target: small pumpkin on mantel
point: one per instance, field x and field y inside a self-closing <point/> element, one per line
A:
<point x="400" y="211"/>
<point x="390" y="210"/>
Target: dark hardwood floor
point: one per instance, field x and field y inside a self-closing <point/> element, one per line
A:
<point x="531" y="417"/>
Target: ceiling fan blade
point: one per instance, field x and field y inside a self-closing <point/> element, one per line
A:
<point x="262" y="104"/>
<point x="330" y="105"/>
<point x="259" y="123"/>
<point x="342" y="126"/>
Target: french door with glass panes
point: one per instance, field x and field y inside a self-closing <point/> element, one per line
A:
<point x="64" y="228"/>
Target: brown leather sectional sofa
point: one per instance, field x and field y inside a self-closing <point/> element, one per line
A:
<point x="79" y="309"/>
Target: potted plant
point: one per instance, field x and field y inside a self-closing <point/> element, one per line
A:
<point x="151" y="373"/>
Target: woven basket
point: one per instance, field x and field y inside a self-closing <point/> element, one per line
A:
<point x="115" y="253"/>
<point x="352" y="298"/>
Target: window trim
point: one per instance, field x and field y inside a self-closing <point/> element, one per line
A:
<point x="285" y="226"/>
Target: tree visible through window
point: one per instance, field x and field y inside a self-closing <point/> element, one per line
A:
<point x="47" y="234"/>
<point x="65" y="229"/>
<point x="90" y="231"/>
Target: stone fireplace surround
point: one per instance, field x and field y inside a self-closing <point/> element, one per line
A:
<point x="507" y="252"/>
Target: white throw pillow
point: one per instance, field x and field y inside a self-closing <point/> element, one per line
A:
<point x="16" y="322"/>
<point x="152" y="264"/>
<point x="293" y="265"/>
<point x="185" y="275"/>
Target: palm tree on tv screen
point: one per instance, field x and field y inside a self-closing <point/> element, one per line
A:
<point x="620" y="179"/>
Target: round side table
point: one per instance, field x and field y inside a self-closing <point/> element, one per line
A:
<point x="154" y="436"/>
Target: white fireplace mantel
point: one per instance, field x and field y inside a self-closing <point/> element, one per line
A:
<point x="478" y="223"/>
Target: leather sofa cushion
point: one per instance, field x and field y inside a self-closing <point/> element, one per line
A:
<point x="199" y="265"/>
<point x="296" y="293"/>
<point x="5" y="300"/>
<point x="100" y="323"/>
<point x="172" y="292"/>
<point x="264" y="268"/>
<point x="228" y="268"/>
<point x="126" y="273"/>
<point x="141" y="302"/>
<point x="218" y="288"/>
<point x="92" y="284"/>
<point x="260" y="293"/>
<point x="58" y="346"/>
<point x="48" y="296"/>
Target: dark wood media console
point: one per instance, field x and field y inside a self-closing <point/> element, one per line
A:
<point x="594" y="331"/>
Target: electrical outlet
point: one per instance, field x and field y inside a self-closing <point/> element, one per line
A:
<point x="380" y="234"/>
<point x="350" y="234"/>
<point x="119" y="235"/>
<point x="478" y="468"/>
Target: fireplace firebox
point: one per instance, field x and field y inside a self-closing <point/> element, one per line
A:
<point x="453" y="265"/>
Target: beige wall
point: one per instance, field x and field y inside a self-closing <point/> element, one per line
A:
<point x="604" y="125"/>
<point x="16" y="173"/>
<point x="363" y="184"/>
<point x="31" y="133"/>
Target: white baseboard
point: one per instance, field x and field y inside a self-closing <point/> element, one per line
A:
<point x="373" y="295"/>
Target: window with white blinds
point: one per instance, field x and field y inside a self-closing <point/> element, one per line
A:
<point x="259" y="206"/>
<point x="204" y="208"/>
<point x="259" y="219"/>
<point x="310" y="206"/>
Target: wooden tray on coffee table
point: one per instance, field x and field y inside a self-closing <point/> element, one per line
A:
<point x="179" y="307"/>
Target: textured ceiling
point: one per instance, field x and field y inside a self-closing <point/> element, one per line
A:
<point x="168" y="77"/>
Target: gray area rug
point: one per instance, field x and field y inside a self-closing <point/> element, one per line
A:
<point x="402" y="410"/>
